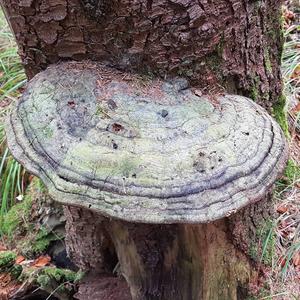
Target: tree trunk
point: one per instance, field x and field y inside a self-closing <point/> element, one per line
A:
<point x="233" y="45"/>
<point x="180" y="262"/>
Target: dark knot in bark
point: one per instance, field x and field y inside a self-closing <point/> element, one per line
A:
<point x="97" y="9"/>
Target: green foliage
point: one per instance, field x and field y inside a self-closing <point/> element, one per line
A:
<point x="292" y="171"/>
<point x="12" y="78"/>
<point x="291" y="63"/>
<point x="57" y="281"/>
<point x="11" y="174"/>
<point x="48" y="274"/>
<point x="7" y="259"/>
<point x="294" y="248"/>
<point x="12" y="74"/>
<point x="41" y="242"/>
<point x="291" y="55"/>
<point x="15" y="271"/>
<point x="17" y="218"/>
<point x="268" y="238"/>
<point x="18" y="222"/>
<point x="264" y="251"/>
<point x="290" y="176"/>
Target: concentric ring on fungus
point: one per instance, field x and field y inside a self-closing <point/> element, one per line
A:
<point x="141" y="150"/>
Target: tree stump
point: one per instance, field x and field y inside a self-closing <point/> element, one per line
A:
<point x="216" y="48"/>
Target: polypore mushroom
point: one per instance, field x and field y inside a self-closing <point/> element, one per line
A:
<point x="144" y="151"/>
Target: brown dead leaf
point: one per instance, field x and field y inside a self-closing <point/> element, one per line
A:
<point x="198" y="93"/>
<point x="296" y="109"/>
<point x="282" y="261"/>
<point x="42" y="261"/>
<point x="5" y="279"/>
<point x="296" y="259"/>
<point x="30" y="178"/>
<point x="2" y="248"/>
<point x="282" y="208"/>
<point x="19" y="259"/>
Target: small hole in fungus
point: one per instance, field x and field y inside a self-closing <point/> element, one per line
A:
<point x="220" y="159"/>
<point x="112" y="104"/>
<point x="115" y="146"/>
<point x="164" y="113"/>
<point x="202" y="171"/>
<point x="117" y="127"/>
<point x="246" y="133"/>
<point x="134" y="175"/>
<point x="201" y="154"/>
<point x="90" y="205"/>
<point x="71" y="103"/>
<point x="212" y="167"/>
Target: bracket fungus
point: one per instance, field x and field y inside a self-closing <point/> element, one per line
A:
<point x="119" y="150"/>
<point x="151" y="152"/>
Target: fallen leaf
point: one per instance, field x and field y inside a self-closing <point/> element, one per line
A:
<point x="282" y="261"/>
<point x="19" y="259"/>
<point x="198" y="93"/>
<point x="42" y="261"/>
<point x="30" y="178"/>
<point x="296" y="259"/>
<point x="296" y="109"/>
<point x="3" y="248"/>
<point x="282" y="208"/>
<point x="5" y="279"/>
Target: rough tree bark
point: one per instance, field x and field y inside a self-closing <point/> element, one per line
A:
<point x="234" y="45"/>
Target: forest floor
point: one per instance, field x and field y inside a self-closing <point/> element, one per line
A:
<point x="32" y="255"/>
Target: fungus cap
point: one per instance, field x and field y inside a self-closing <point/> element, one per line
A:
<point x="144" y="150"/>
